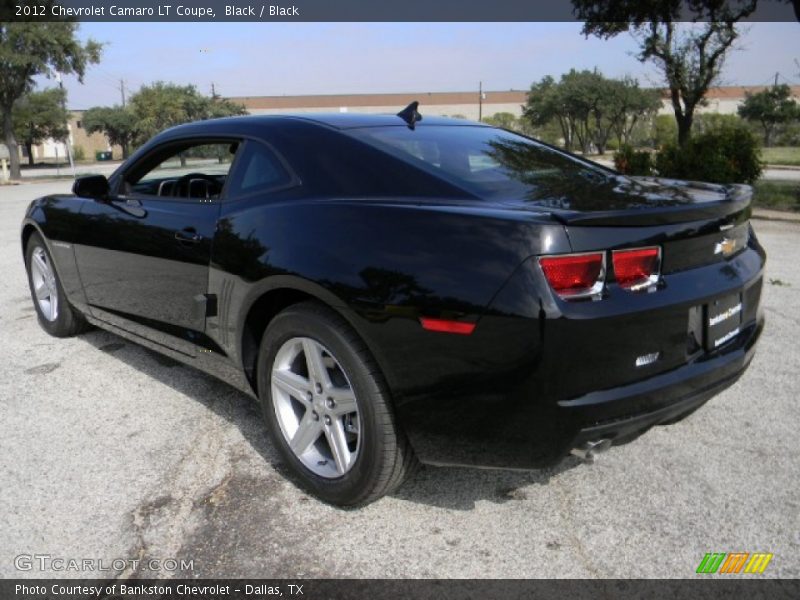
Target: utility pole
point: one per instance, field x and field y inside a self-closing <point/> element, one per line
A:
<point x="122" y="91"/>
<point x="66" y="141"/>
<point x="480" y="101"/>
<point x="776" y="79"/>
<point x="213" y="91"/>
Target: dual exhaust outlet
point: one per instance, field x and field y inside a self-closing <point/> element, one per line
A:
<point x="589" y="450"/>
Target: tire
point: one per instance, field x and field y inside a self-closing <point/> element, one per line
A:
<point x="378" y="457"/>
<point x="64" y="320"/>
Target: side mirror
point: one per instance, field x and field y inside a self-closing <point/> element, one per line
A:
<point x="91" y="186"/>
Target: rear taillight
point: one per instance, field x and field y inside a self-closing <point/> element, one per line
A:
<point x="575" y="275"/>
<point x="637" y="269"/>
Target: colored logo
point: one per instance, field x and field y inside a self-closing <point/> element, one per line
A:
<point x="726" y="247"/>
<point x="734" y="562"/>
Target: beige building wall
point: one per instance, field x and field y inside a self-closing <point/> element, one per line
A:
<point x="90" y="143"/>
<point x="79" y="139"/>
<point x="468" y="111"/>
<point x="724" y="100"/>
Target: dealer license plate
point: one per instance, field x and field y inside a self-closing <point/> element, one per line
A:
<point x="723" y="320"/>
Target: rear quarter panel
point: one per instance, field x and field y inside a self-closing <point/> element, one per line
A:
<point x="382" y="265"/>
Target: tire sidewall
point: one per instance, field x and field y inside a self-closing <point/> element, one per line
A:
<point x="61" y="323"/>
<point x="347" y="488"/>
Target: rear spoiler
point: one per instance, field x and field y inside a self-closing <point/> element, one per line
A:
<point x="737" y="203"/>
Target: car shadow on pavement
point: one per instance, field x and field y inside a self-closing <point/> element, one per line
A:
<point x="454" y="488"/>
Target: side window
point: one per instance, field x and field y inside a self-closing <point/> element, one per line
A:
<point x="258" y="169"/>
<point x="191" y="171"/>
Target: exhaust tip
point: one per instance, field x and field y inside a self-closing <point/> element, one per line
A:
<point x="589" y="450"/>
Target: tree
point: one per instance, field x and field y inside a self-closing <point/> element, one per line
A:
<point x="31" y="49"/>
<point x="545" y="105"/>
<point x="772" y="108"/>
<point x="162" y="105"/>
<point x="506" y="120"/>
<point x="118" y="123"/>
<point x="590" y="108"/>
<point x="38" y="116"/>
<point x="690" y="56"/>
<point x="629" y="105"/>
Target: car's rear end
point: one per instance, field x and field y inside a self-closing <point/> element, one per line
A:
<point x="651" y="308"/>
<point x="653" y="318"/>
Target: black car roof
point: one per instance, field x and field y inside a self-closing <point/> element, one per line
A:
<point x="334" y="120"/>
<point x="352" y="120"/>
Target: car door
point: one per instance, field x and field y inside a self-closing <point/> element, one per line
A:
<point x="144" y="259"/>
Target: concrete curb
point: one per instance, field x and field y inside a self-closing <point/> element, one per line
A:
<point x="765" y="214"/>
<point x="783" y="167"/>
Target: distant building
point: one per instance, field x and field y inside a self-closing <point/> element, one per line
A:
<point x="82" y="143"/>
<point x="447" y="104"/>
<point x="723" y="100"/>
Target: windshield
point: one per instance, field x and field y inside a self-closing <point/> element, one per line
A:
<point x="490" y="163"/>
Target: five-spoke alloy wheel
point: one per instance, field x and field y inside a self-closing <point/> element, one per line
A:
<point x="56" y="315"/>
<point x="316" y="407"/>
<point x="328" y="409"/>
<point x="43" y="278"/>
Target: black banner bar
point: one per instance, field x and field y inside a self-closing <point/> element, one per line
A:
<point x="704" y="587"/>
<point x="324" y="10"/>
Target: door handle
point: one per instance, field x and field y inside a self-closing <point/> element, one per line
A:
<point x="188" y="235"/>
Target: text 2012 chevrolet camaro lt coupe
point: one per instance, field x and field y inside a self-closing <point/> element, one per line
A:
<point x="394" y="289"/>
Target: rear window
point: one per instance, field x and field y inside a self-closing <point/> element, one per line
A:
<point x="488" y="162"/>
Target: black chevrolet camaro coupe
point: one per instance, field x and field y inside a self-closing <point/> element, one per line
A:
<point x="395" y="289"/>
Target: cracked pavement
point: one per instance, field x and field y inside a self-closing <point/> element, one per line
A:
<point x="110" y="451"/>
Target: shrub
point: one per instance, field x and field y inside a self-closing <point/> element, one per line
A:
<point x="78" y="153"/>
<point x="705" y="122"/>
<point x="729" y="154"/>
<point x="665" y="130"/>
<point x="633" y="162"/>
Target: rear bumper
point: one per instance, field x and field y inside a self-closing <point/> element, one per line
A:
<point x="538" y="377"/>
<point x="516" y="433"/>
<point x="677" y="393"/>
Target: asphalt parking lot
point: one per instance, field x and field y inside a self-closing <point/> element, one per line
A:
<point x="108" y="451"/>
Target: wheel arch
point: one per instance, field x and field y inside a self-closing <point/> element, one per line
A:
<point x="273" y="298"/>
<point x="28" y="229"/>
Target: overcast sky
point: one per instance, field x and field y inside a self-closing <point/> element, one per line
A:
<point x="244" y="59"/>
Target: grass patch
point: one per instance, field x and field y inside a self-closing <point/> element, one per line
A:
<point x="778" y="195"/>
<point x="781" y="155"/>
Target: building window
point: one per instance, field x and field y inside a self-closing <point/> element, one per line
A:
<point x="79" y="124"/>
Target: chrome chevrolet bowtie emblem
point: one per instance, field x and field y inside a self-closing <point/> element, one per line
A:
<point x="726" y="247"/>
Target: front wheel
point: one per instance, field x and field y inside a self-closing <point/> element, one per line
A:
<point x="328" y="409"/>
<point x="56" y="315"/>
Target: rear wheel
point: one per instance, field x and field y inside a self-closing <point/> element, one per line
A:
<point x="327" y="407"/>
<point x="56" y="316"/>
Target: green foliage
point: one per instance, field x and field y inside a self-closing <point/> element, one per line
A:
<point x="632" y="162"/>
<point x="590" y="109"/>
<point x="690" y="55"/>
<point x="78" y="153"/>
<point x="771" y="108"/>
<point x="779" y="195"/>
<point x="162" y="105"/>
<point x="38" y="116"/>
<point x="728" y="154"/>
<point x="706" y="122"/>
<point x="506" y="120"/>
<point x="119" y="124"/>
<point x="31" y="49"/>
<point x="776" y="155"/>
<point x="665" y="130"/>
